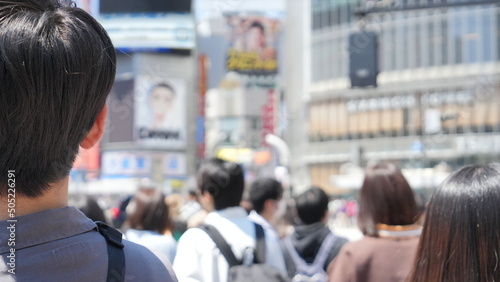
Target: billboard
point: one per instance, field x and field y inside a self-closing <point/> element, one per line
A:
<point x="140" y="164"/>
<point x="144" y="6"/>
<point x="151" y="32"/>
<point x="160" y="112"/>
<point x="252" y="43"/>
<point x="149" y="25"/>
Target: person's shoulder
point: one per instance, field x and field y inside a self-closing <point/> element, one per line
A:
<point x="194" y="233"/>
<point x="340" y="241"/>
<point x="142" y="264"/>
<point x="366" y="244"/>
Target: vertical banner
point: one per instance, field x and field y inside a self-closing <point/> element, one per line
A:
<point x="160" y="119"/>
<point x="268" y="117"/>
<point x="200" y="121"/>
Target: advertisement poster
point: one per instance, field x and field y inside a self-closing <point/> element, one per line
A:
<point x="253" y="42"/>
<point x="160" y="119"/>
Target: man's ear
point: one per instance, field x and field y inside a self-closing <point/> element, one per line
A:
<point x="95" y="133"/>
<point x="207" y="201"/>
<point x="268" y="204"/>
<point x="208" y="197"/>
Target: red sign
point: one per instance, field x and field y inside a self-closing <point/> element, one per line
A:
<point x="267" y="116"/>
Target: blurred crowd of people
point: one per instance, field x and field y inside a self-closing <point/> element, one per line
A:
<point x="454" y="237"/>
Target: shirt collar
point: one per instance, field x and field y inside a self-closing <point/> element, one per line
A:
<point x="45" y="226"/>
<point x="228" y="213"/>
<point x="257" y="218"/>
<point x="411" y="230"/>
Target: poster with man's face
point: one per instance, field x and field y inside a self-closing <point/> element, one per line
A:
<point x="253" y="44"/>
<point x="160" y="115"/>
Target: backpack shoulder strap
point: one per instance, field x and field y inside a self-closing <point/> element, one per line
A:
<point x="298" y="261"/>
<point x="324" y="250"/>
<point x="260" y="244"/>
<point x="289" y="263"/>
<point x="116" y="255"/>
<point x="221" y="244"/>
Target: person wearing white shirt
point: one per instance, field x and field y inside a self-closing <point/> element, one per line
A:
<point x="220" y="188"/>
<point x="265" y="195"/>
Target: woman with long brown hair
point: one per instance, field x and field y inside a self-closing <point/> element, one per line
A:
<point x="460" y="240"/>
<point x="148" y="221"/>
<point x="387" y="216"/>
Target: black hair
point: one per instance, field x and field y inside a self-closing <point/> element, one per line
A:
<point x="163" y="85"/>
<point x="223" y="180"/>
<point x="57" y="66"/>
<point x="192" y="192"/>
<point x="460" y="240"/>
<point x="258" y="25"/>
<point x="312" y="205"/>
<point x="87" y="205"/>
<point x="264" y="189"/>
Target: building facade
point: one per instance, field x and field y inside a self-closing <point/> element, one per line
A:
<point x="436" y="97"/>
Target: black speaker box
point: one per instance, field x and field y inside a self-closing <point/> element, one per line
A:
<point x="363" y="59"/>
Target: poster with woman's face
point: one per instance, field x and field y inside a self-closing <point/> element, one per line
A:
<point x="160" y="114"/>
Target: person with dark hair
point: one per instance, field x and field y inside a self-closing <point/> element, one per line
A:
<point x="148" y="222"/>
<point x="161" y="102"/>
<point x="57" y="67"/>
<point x="460" y="240"/>
<point x="265" y="197"/>
<point x="264" y="194"/>
<point x="387" y="217"/>
<point x="312" y="245"/>
<point x="220" y="187"/>
<point x="256" y="41"/>
<point x="88" y="205"/>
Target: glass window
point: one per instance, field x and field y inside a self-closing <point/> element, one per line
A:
<point x="391" y="40"/>
<point x="337" y="15"/>
<point x="349" y="12"/>
<point x="228" y="124"/>
<point x="457" y="35"/>
<point x="321" y="60"/>
<point x="325" y="18"/>
<point x="418" y="47"/>
<point x="314" y="59"/>
<point x="498" y="33"/>
<point x="316" y="20"/>
<point x="424" y="37"/>
<point x="444" y="40"/>
<point x="411" y="38"/>
<point x="471" y="38"/>
<point x="400" y="42"/>
<point x="335" y="63"/>
<point x="487" y="35"/>
<point x="342" y="56"/>
<point x="433" y="41"/>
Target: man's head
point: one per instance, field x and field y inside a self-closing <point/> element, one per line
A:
<point x="312" y="205"/>
<point x="264" y="196"/>
<point x="161" y="101"/>
<point x="256" y="36"/>
<point x="221" y="182"/>
<point x="57" y="66"/>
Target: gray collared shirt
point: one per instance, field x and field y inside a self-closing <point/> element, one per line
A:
<point x="62" y="245"/>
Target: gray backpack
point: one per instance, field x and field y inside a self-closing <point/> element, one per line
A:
<point x="313" y="272"/>
<point x="252" y="267"/>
